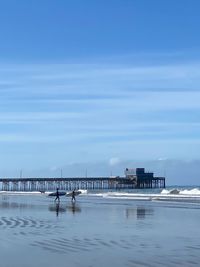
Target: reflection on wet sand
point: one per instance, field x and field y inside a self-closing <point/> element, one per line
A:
<point x="73" y="207"/>
<point x="139" y="212"/>
<point x="57" y="207"/>
<point x="15" y="205"/>
<point x="60" y="208"/>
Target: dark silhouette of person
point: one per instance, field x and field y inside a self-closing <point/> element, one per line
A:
<point x="73" y="196"/>
<point x="57" y="208"/>
<point x="57" y="195"/>
<point x="73" y="207"/>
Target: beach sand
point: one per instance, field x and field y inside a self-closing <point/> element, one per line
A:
<point x="97" y="232"/>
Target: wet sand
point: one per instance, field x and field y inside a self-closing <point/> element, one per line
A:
<point x="97" y="232"/>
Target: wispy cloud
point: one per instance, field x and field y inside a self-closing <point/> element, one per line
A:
<point x="99" y="110"/>
<point x="11" y="117"/>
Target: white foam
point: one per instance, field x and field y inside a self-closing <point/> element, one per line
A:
<point x="124" y="195"/>
<point x="131" y="197"/>
<point x="84" y="192"/>
<point x="171" y="192"/>
<point x="165" y="191"/>
<point x="194" y="191"/>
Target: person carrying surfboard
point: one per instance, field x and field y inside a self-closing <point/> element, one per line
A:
<point x="57" y="195"/>
<point x="73" y="196"/>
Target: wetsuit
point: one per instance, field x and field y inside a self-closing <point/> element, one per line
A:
<point x="73" y="196"/>
<point x="57" y="195"/>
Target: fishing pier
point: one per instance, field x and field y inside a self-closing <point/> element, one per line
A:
<point x="138" y="180"/>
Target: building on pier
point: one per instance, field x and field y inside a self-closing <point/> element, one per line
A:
<point x="142" y="179"/>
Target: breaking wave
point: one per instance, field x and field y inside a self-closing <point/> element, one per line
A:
<point x="174" y="195"/>
<point x="186" y="192"/>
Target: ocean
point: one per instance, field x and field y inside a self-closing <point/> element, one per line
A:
<point x="124" y="228"/>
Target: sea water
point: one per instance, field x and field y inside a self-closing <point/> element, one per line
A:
<point x="123" y="228"/>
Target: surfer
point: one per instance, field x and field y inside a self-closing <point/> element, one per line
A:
<point x="57" y="195"/>
<point x="73" y="196"/>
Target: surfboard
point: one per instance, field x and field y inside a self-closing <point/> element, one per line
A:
<point x="54" y="194"/>
<point x="70" y="193"/>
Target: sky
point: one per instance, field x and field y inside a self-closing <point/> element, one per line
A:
<point x="98" y="86"/>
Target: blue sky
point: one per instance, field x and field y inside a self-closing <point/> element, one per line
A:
<point x="99" y="85"/>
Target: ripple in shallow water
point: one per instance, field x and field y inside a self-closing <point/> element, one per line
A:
<point x="66" y="245"/>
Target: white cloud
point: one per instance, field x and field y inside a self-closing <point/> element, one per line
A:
<point x="114" y="161"/>
<point x="162" y="159"/>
